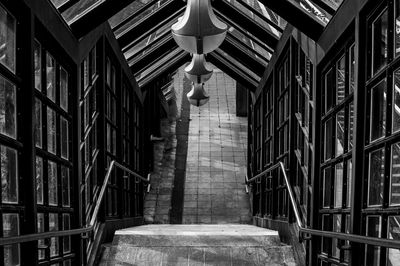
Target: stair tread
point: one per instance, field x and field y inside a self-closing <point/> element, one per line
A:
<point x="201" y="230"/>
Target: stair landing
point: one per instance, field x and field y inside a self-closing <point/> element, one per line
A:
<point x="227" y="244"/>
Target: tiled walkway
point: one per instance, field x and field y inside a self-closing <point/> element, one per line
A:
<point x="216" y="162"/>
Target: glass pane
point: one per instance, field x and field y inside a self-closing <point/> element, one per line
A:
<point x="338" y="185"/>
<point x="11" y="228"/>
<point x="64" y="89"/>
<point x="93" y="61"/>
<point x="85" y="73"/>
<point x="53" y="226"/>
<point x="351" y="127"/>
<point x="340" y="133"/>
<point x="349" y="182"/>
<point x="38" y="123"/>
<point x="40" y="228"/>
<point x="396" y="101"/>
<point x="372" y="254"/>
<point x="327" y="188"/>
<point x="378" y="111"/>
<point x="395" y="175"/>
<point x="340" y="79"/>
<point x="328" y="139"/>
<point x="66" y="226"/>
<point x="379" y="42"/>
<point x="64" y="138"/>
<point x="352" y="63"/>
<point x="326" y="242"/>
<point x="51" y="77"/>
<point x="39" y="180"/>
<point x="9" y="175"/>
<point x="337" y="225"/>
<point x="52" y="183"/>
<point x="393" y="256"/>
<point x="397" y="29"/>
<point x="78" y="9"/>
<point x="8" y="108"/>
<point x="65" y="186"/>
<point x="376" y="177"/>
<point x="330" y="91"/>
<point x="38" y="65"/>
<point x="7" y="39"/>
<point x="51" y="131"/>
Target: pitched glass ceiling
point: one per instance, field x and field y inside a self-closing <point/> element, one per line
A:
<point x="254" y="35"/>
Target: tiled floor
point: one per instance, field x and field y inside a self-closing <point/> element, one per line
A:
<point x="216" y="162"/>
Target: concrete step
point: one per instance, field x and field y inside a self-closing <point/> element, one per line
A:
<point x="226" y="244"/>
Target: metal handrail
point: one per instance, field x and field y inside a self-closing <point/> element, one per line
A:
<point x="375" y="241"/>
<point x="85" y="230"/>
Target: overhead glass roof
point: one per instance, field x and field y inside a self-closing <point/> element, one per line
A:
<point x="142" y="27"/>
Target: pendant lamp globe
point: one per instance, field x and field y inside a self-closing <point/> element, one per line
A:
<point x="197" y="96"/>
<point x="199" y="31"/>
<point x="198" y="71"/>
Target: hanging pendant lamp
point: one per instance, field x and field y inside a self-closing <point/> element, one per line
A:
<point x="199" y="31"/>
<point x="197" y="96"/>
<point x="198" y="71"/>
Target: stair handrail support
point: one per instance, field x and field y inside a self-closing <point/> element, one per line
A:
<point x="375" y="241"/>
<point x="84" y="231"/>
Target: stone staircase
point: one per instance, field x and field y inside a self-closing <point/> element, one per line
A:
<point x="222" y="244"/>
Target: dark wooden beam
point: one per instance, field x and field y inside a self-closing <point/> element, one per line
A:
<point x="243" y="56"/>
<point x="98" y="14"/>
<point x="296" y="16"/>
<point x="234" y="14"/>
<point x="229" y="68"/>
<point x="150" y="57"/>
<point x="150" y="21"/>
<point x="168" y="67"/>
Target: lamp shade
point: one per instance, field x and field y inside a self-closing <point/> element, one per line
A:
<point x="197" y="96"/>
<point x="198" y="71"/>
<point x="199" y="31"/>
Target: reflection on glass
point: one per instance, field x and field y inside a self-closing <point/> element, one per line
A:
<point x="39" y="180"/>
<point x="51" y="77"/>
<point x="38" y="123"/>
<point x="330" y="91"/>
<point x="66" y="239"/>
<point x="51" y="131"/>
<point x="52" y="183"/>
<point x="372" y="253"/>
<point x="8" y="108"/>
<point x="11" y="228"/>
<point x="349" y="182"/>
<point x="64" y="89"/>
<point x="379" y="42"/>
<point x="351" y="127"/>
<point x="7" y="39"/>
<point x="9" y="175"/>
<point x="337" y="225"/>
<point x="53" y="226"/>
<point x="397" y="29"/>
<point x="396" y="101"/>
<point x="340" y="79"/>
<point x="38" y="65"/>
<point x="65" y="186"/>
<point x="378" y="111"/>
<point x="340" y="121"/>
<point x="376" y="177"/>
<point x="352" y="65"/>
<point x="328" y="139"/>
<point x="395" y="175"/>
<point x="64" y="138"/>
<point x="327" y="187"/>
<point x="346" y="253"/>
<point x="85" y="73"/>
<point x="338" y="185"/>
<point x="40" y="229"/>
<point x="393" y="256"/>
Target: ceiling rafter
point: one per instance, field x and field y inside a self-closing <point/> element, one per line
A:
<point x="234" y="14"/>
<point x="291" y="11"/>
<point x="148" y="22"/>
<point x="96" y="15"/>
